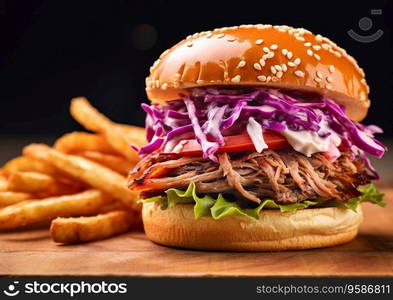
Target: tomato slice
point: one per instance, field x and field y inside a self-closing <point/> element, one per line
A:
<point x="237" y="143"/>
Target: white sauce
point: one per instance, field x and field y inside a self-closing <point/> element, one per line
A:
<point x="179" y="147"/>
<point x="306" y="142"/>
<point x="309" y="142"/>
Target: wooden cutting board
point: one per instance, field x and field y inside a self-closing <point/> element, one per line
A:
<point x="33" y="253"/>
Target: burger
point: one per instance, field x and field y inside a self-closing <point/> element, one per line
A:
<point x="255" y="142"/>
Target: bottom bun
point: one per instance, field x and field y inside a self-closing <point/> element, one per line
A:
<point x="274" y="231"/>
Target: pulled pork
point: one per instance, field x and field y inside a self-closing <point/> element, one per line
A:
<point x="283" y="175"/>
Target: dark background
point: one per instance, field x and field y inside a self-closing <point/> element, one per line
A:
<point x="51" y="51"/>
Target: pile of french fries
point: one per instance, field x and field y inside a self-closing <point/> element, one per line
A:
<point x="79" y="184"/>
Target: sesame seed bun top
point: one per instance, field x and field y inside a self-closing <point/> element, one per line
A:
<point x="260" y="55"/>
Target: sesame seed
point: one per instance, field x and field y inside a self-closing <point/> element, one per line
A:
<point x="317" y="57"/>
<point x="262" y="62"/>
<point x="284" y="51"/>
<point x="319" y="38"/>
<point x="329" y="79"/>
<point x="164" y="86"/>
<point x="220" y="35"/>
<point x="279" y="74"/>
<point x="274" y="47"/>
<point x="326" y="46"/>
<point x="261" y="78"/>
<point x="231" y="39"/>
<point x="300" y="38"/>
<point x="189" y="44"/>
<point x="200" y="81"/>
<point x="318" y="79"/>
<point x="319" y="74"/>
<point x="299" y="73"/>
<point x="241" y="64"/>
<point x="291" y="64"/>
<point x="284" y="67"/>
<point x="273" y="70"/>
<point x="195" y="35"/>
<point x="209" y="35"/>
<point x="278" y="67"/>
<point x="258" y="42"/>
<point x="331" y="68"/>
<point x="329" y="86"/>
<point x="297" y="61"/>
<point x="157" y="82"/>
<point x="289" y="55"/>
<point x="236" y="79"/>
<point x="264" y="56"/>
<point x="270" y="55"/>
<point x="338" y="54"/>
<point x="274" y="79"/>
<point x="309" y="52"/>
<point x="268" y="78"/>
<point x="316" y="47"/>
<point x="266" y="49"/>
<point x="156" y="63"/>
<point x="164" y="53"/>
<point x="257" y="67"/>
<point x="362" y="96"/>
<point x="307" y="44"/>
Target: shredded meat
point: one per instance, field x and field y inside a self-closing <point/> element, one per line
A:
<point x="283" y="175"/>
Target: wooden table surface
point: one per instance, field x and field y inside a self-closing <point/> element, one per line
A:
<point x="33" y="253"/>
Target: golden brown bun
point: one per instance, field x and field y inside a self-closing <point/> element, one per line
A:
<point x="274" y="231"/>
<point x="232" y="56"/>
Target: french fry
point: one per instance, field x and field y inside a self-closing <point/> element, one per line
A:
<point x="86" y="229"/>
<point x="9" y="198"/>
<point x="135" y="135"/>
<point x="112" y="206"/>
<point x="92" y="120"/>
<point x="83" y="141"/>
<point x="41" y="185"/>
<point x="26" y="164"/>
<point x="113" y="162"/>
<point x="3" y="183"/>
<point x="31" y="211"/>
<point x="29" y="182"/>
<point x="86" y="171"/>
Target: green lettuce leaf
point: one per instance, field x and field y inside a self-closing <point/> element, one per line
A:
<point x="202" y="204"/>
<point x="368" y="194"/>
<point x="208" y="206"/>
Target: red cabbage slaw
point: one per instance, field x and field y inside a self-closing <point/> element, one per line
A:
<point x="208" y="115"/>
